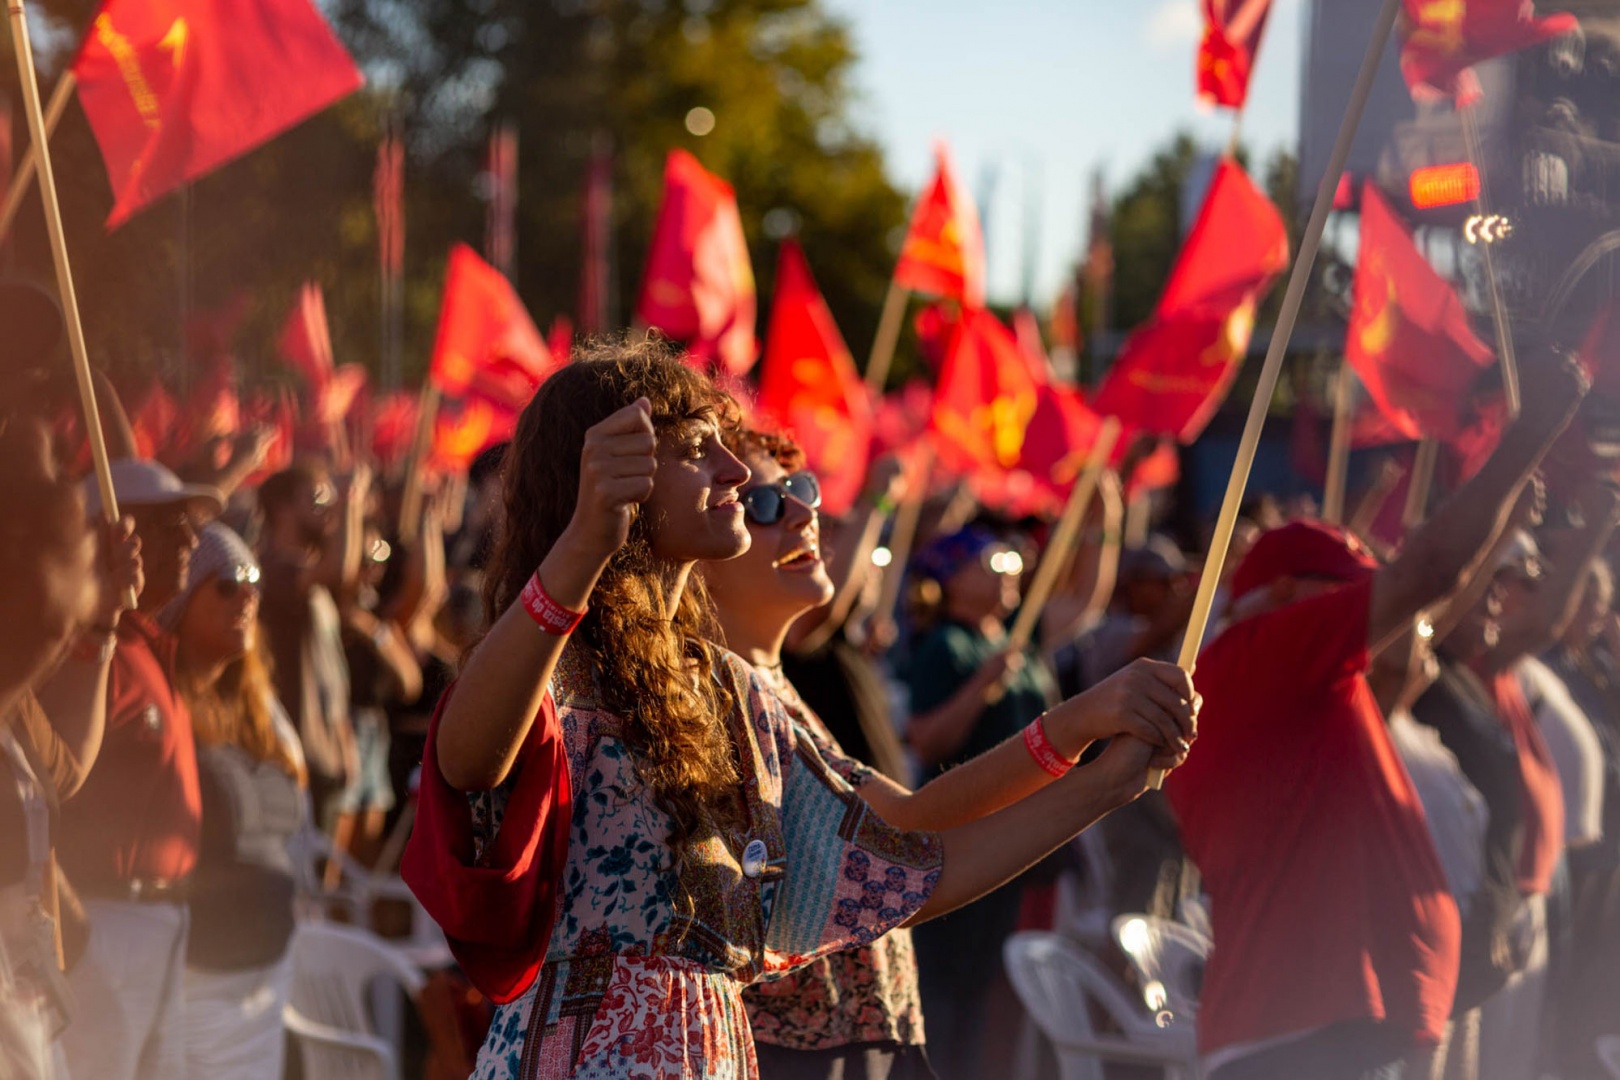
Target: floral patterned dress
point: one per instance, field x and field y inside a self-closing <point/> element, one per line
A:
<point x="632" y="989"/>
<point x="863" y="995"/>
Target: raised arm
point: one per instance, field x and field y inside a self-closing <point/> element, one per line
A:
<point x="488" y="717"/>
<point x="1462" y="530"/>
<point x="1149" y="700"/>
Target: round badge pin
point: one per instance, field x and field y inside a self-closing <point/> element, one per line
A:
<point x="753" y="858"/>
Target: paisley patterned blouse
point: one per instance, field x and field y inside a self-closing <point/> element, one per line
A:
<point x="630" y="988"/>
<point x="863" y="995"/>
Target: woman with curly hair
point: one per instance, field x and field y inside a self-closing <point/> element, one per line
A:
<point x="619" y="826"/>
<point x="250" y="768"/>
<point x="859" y="1013"/>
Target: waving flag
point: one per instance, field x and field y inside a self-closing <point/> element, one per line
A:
<point x="808" y="383"/>
<point x="487" y="346"/>
<point x="699" y="284"/>
<point x="1174" y="371"/>
<point x="985" y="399"/>
<point x="1409" y="338"/>
<point x="1232" y="30"/>
<point x="943" y="254"/>
<point x="176" y="88"/>
<point x="1442" y="39"/>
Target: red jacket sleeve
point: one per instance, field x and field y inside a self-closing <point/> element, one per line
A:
<point x="497" y="909"/>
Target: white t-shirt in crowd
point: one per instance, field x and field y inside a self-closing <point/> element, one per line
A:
<point x="1576" y="750"/>
<point x="1456" y="811"/>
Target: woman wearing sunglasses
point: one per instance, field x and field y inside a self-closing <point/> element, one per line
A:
<point x="238" y="968"/>
<point x="858" y="1013"/>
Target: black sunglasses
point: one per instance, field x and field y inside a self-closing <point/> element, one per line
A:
<point x="230" y="587"/>
<point x="765" y="504"/>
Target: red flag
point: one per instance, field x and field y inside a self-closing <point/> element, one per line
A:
<point x="1442" y="39"/>
<point x="943" y="254"/>
<point x="1030" y="346"/>
<point x="176" y="88"/>
<point x="500" y="226"/>
<point x="306" y="340"/>
<point x="1174" y="372"/>
<point x="394" y="427"/>
<point x="986" y="397"/>
<point x="338" y="396"/>
<point x="1232" y="30"/>
<point x="1409" y="339"/>
<point x="155" y="421"/>
<point x="699" y="284"/>
<point x="388" y="204"/>
<point x="466" y="429"/>
<point x="560" y="338"/>
<point x="596" y="218"/>
<point x="487" y="346"/>
<point x="279" y="413"/>
<point x="1060" y="436"/>
<point x="808" y="383"/>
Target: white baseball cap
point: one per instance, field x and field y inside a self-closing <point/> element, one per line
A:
<point x="137" y="482"/>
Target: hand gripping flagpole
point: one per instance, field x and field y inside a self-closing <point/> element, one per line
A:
<point x="64" y="275"/>
<point x="1210" y="579"/>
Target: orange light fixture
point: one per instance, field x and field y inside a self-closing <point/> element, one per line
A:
<point x="1444" y="185"/>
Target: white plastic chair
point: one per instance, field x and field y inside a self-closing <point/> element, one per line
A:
<point x="1169" y="960"/>
<point x="1058" y="983"/>
<point x="328" y="1053"/>
<point x="1608" y="1051"/>
<point x="357" y="892"/>
<point x="335" y="969"/>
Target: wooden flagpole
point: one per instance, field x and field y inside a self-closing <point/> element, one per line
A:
<point x="906" y="519"/>
<point x="64" y="274"/>
<point x="1499" y="319"/>
<point x="410" y="507"/>
<point x="1298" y="279"/>
<point x="1417" y="490"/>
<point x="1339" y="446"/>
<point x="23" y="177"/>
<point x="888" y="336"/>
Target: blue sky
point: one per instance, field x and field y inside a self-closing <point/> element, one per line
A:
<point x="1046" y="91"/>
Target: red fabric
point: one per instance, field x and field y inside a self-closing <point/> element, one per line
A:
<point x="487" y="346"/>
<point x="466" y="429"/>
<point x="1308" y="549"/>
<point x="1232" y="31"/>
<point x="139" y="815"/>
<point x="496" y="911"/>
<point x="1328" y="898"/>
<point x="699" y="285"/>
<point x="1440" y="41"/>
<point x="1175" y="371"/>
<point x="393" y="427"/>
<point x="1542" y="841"/>
<point x="943" y="254"/>
<point x="985" y="399"/>
<point x="174" y="89"/>
<point x="154" y="421"/>
<point x="1410" y="339"/>
<point x="808" y="384"/>
<point x="306" y="340"/>
<point x="1059" y="437"/>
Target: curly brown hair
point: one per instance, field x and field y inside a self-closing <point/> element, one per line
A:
<point x="653" y="671"/>
<point x="743" y="438"/>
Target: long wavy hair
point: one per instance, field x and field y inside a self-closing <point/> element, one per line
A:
<point x="235" y="709"/>
<point x="654" y="670"/>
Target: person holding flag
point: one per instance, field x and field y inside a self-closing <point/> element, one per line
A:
<point x="859" y="1013"/>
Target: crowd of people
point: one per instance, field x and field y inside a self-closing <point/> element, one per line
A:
<point x="690" y="798"/>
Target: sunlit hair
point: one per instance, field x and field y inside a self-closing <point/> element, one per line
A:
<point x="742" y="439"/>
<point x="235" y="710"/>
<point x="653" y="672"/>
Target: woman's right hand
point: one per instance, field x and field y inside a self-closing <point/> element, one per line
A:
<point x="616" y="469"/>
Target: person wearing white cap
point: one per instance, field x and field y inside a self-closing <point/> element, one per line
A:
<point x="129" y="840"/>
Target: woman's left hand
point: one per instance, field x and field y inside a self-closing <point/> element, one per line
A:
<point x="1149" y="700"/>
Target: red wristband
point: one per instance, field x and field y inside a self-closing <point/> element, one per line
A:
<point x="547" y="614"/>
<point x="1041" y="749"/>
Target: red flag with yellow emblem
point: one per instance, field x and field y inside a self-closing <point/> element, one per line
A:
<point x="986" y="397"/>
<point x="463" y="431"/>
<point x="1442" y="39"/>
<point x="487" y="346"/>
<point x="1174" y="372"/>
<point x="943" y="254"/>
<point x="1410" y="338"/>
<point x="699" y="284"/>
<point x="808" y="383"/>
<point x="1232" y="30"/>
<point x="174" y="89"/>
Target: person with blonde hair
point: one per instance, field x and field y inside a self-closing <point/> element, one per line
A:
<point x="238" y="966"/>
